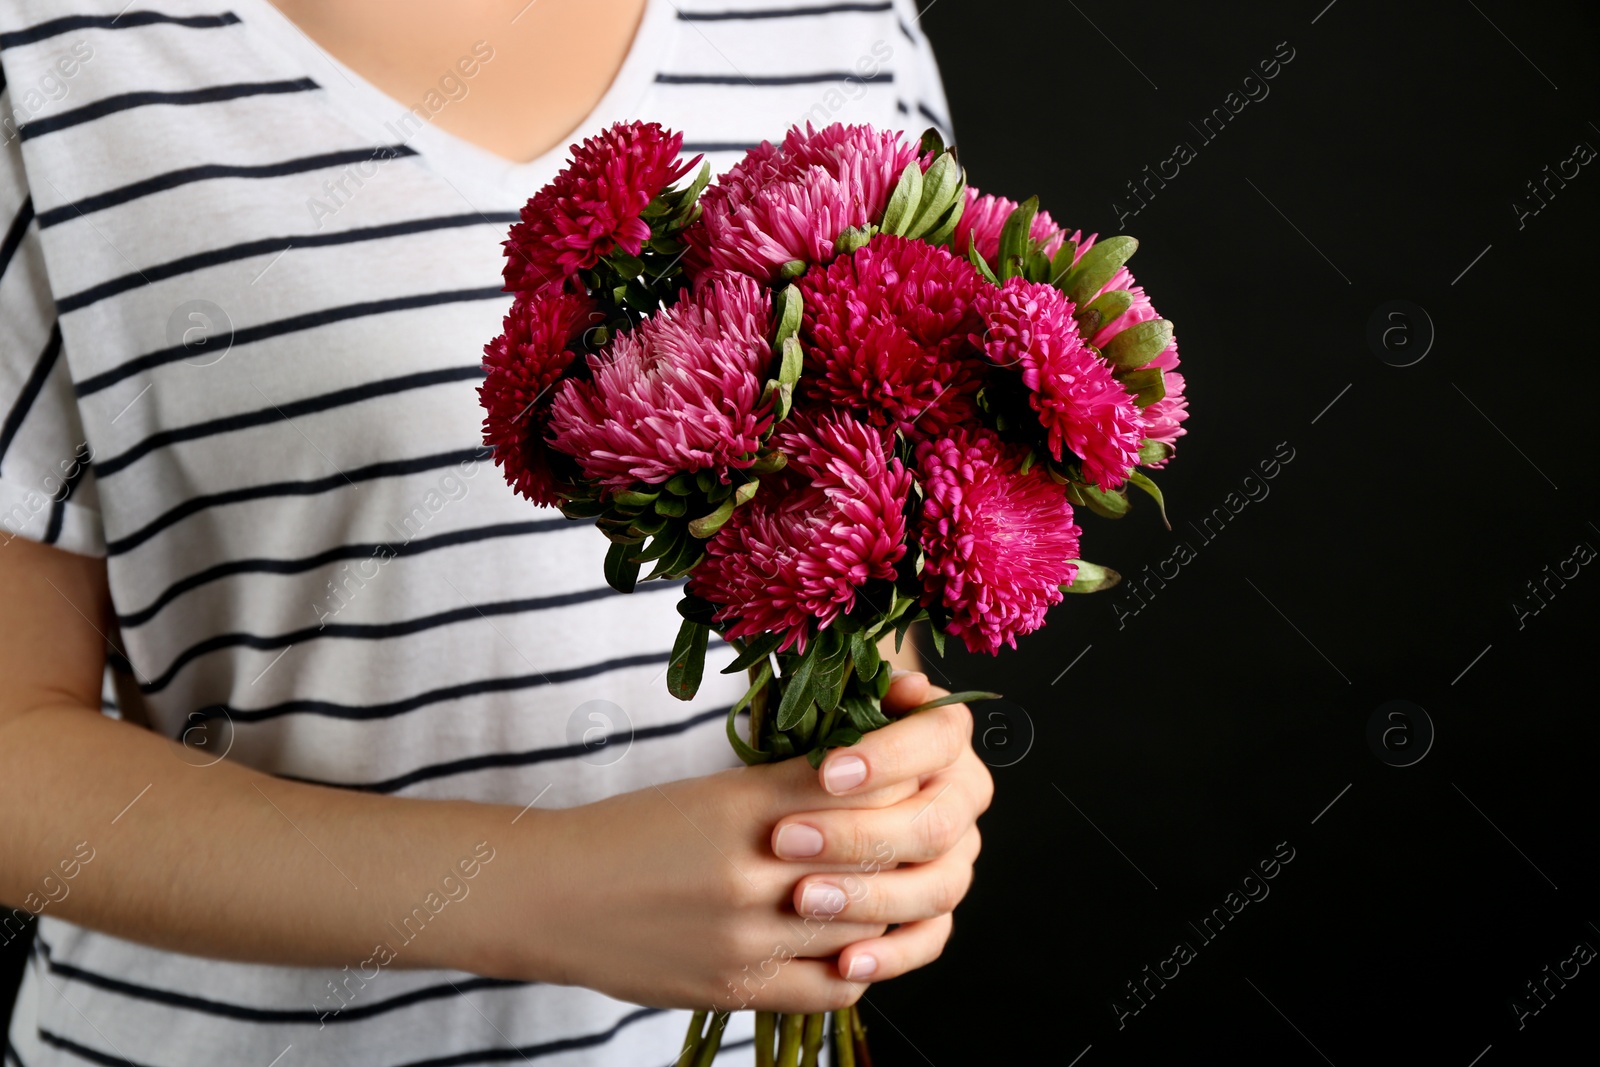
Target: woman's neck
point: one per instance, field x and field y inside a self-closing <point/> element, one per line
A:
<point x="548" y="62"/>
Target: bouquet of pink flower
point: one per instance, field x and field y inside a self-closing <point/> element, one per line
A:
<point x="839" y="391"/>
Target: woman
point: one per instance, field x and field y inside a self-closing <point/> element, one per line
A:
<point x="249" y="259"/>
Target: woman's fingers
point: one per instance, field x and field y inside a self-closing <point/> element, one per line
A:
<point x="907" y="894"/>
<point x="920" y="828"/>
<point x="906" y="750"/>
<point x="902" y="949"/>
<point x="796" y="985"/>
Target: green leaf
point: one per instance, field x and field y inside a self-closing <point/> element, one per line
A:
<point x="1014" y="238"/>
<point x="685" y="199"/>
<point x="792" y="269"/>
<point x="932" y="141"/>
<point x="1061" y="265"/>
<point x="790" y="305"/>
<point x="793" y="359"/>
<point x="1138" y="344"/>
<point x="1146" y="385"/>
<point x="799" y="693"/>
<point x="942" y="182"/>
<point x="1137" y="478"/>
<point x="681" y="484"/>
<point x="885" y="678"/>
<point x="1038" y="267"/>
<point x="664" y="542"/>
<point x="839" y="737"/>
<point x="742" y="748"/>
<point x="630" y="499"/>
<point x="622" y="572"/>
<point x="649" y="523"/>
<point x="946" y="226"/>
<point x="964" y="697"/>
<point x="763" y="676"/>
<point x="864" y="655"/>
<point x="625" y="265"/>
<point x="937" y="633"/>
<point x="693" y="607"/>
<point x="755" y="652"/>
<point x="1103" y="309"/>
<point x="784" y="401"/>
<point x="581" y="507"/>
<point x="688" y="661"/>
<point x="705" y="479"/>
<point x="672" y="506"/>
<point x="1096" y="268"/>
<point x="982" y="264"/>
<point x="903" y="202"/>
<point x="864" y="713"/>
<point x="684" y="555"/>
<point x="1112" y="505"/>
<point x="852" y="238"/>
<point x="1152" y="452"/>
<point x="1091" y="578"/>
<point x="770" y="463"/>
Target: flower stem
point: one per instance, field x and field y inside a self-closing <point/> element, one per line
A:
<point x="789" y="1040"/>
<point x="713" y="1041"/>
<point x="844" y="1040"/>
<point x="859" y="1031"/>
<point x="691" y="1040"/>
<point x="812" y="1044"/>
<point x="766" y="1032"/>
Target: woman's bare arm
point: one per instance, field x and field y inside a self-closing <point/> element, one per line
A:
<point x="112" y="827"/>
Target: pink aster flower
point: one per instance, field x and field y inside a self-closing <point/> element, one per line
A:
<point x="799" y="552"/>
<point x="985" y="216"/>
<point x="998" y="544"/>
<point x="522" y="369"/>
<point x="1029" y="326"/>
<point x="593" y="206"/>
<point x="791" y="201"/>
<point x="681" y="392"/>
<point x="1166" y="415"/>
<point x="886" y="332"/>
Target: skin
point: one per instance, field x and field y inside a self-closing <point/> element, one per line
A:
<point x="673" y="896"/>
<point x="665" y="896"/>
<point x="551" y="65"/>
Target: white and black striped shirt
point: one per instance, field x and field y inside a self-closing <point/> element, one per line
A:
<point x="310" y="559"/>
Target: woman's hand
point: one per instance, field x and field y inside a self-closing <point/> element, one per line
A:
<point x="738" y="890"/>
<point x="933" y="833"/>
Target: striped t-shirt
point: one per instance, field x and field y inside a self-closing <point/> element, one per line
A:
<point x="243" y="298"/>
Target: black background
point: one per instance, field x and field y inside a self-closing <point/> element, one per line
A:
<point x="1225" y="716"/>
<point x="1186" y="742"/>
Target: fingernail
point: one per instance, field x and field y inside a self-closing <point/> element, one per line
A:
<point x="797" y="841"/>
<point x="844" y="772"/>
<point x="820" y="898"/>
<point x="862" y="968"/>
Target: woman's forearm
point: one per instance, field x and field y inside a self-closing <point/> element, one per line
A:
<point x="112" y="827"/>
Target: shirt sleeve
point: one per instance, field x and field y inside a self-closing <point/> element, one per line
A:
<point x="47" y="491"/>
<point x="923" y="90"/>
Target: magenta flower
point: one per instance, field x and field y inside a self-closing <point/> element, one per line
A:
<point x="824" y="526"/>
<point x="985" y="216"/>
<point x="522" y="368"/>
<point x="679" y="393"/>
<point x="1028" y="326"/>
<point x="886" y="336"/>
<point x="997" y="544"/>
<point x="593" y="206"/>
<point x="1165" y="416"/>
<point x="791" y="201"/>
